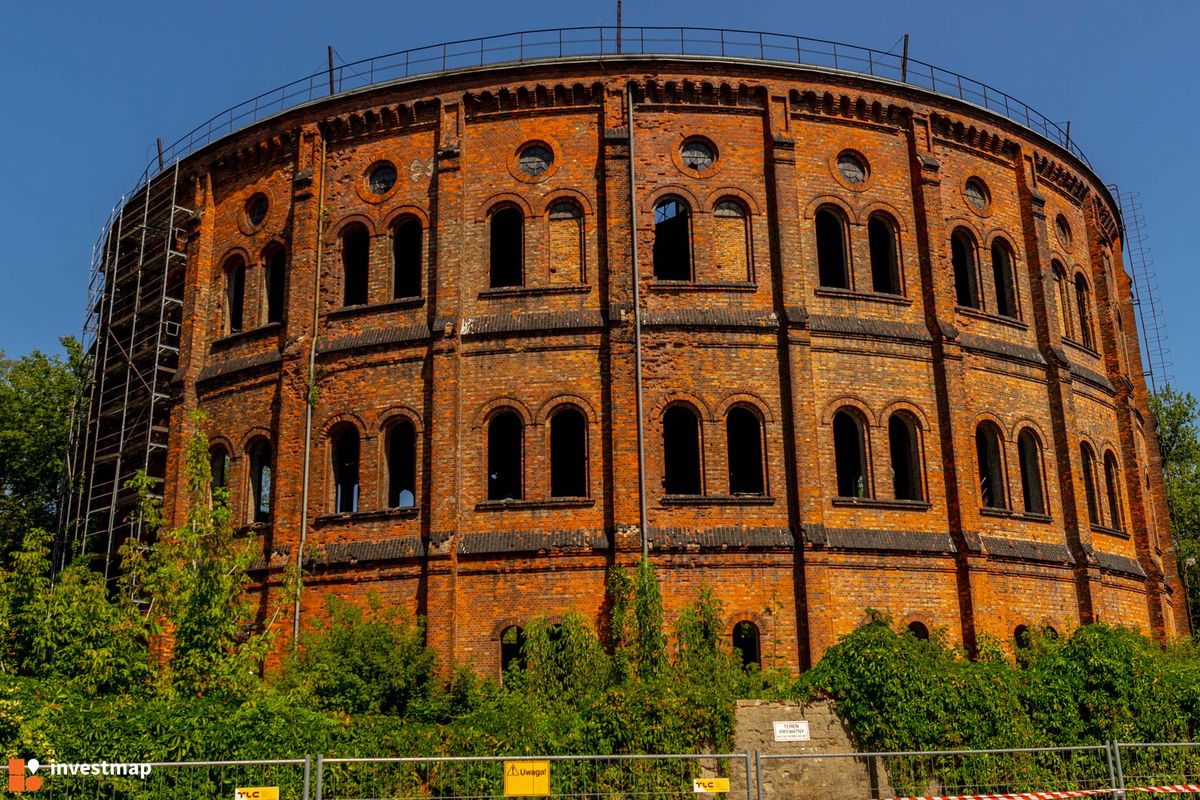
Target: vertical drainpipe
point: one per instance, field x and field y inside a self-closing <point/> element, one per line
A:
<point x="637" y="334"/>
<point x="309" y="400"/>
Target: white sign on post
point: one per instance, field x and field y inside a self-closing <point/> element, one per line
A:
<point x="792" y="731"/>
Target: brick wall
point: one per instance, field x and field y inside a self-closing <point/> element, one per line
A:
<point x="751" y="329"/>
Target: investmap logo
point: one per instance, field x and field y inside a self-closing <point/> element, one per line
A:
<point x="18" y="781"/>
<point x="23" y="777"/>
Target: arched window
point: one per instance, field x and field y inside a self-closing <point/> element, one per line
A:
<point x="743" y="440"/>
<point x="406" y="258"/>
<point x="504" y="453"/>
<point x="731" y="248"/>
<point x="885" y="266"/>
<point x="746" y="642"/>
<point x="681" y="450"/>
<point x="919" y="630"/>
<point x="402" y="465"/>
<point x="512" y="648"/>
<point x="850" y="455"/>
<point x="1113" y="491"/>
<point x="962" y="258"/>
<point x="992" y="492"/>
<point x="506" y="254"/>
<point x="1089" y="483"/>
<point x="356" y="257"/>
<point x="274" y="275"/>
<point x="904" y="446"/>
<point x="218" y="461"/>
<point x="260" y="481"/>
<point x="1083" y="307"/>
<point x="566" y="243"/>
<point x="1022" y="637"/>
<point x="568" y="453"/>
<point x="672" y="240"/>
<point x="235" y="295"/>
<point x="1062" y="294"/>
<point x="1002" y="275"/>
<point x="345" y="452"/>
<point x="1030" y="454"/>
<point x="833" y="269"/>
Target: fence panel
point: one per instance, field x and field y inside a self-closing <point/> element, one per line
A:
<point x="476" y="778"/>
<point x="1158" y="764"/>
<point x="857" y="776"/>
<point x="189" y="780"/>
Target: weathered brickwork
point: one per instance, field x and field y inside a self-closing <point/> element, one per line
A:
<point x="800" y="535"/>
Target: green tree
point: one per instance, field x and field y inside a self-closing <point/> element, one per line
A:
<point x="36" y="396"/>
<point x="1177" y="419"/>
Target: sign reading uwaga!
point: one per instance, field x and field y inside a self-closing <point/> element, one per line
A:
<point x="257" y="793"/>
<point x="526" y="778"/>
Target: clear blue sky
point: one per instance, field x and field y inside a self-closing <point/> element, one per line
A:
<point x="86" y="87"/>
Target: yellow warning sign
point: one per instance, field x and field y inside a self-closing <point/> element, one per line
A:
<point x="526" y="778"/>
<point x="710" y="785"/>
<point x="257" y="793"/>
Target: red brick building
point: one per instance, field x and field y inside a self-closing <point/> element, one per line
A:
<point x="887" y="353"/>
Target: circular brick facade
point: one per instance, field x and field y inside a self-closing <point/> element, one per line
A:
<point x="853" y="292"/>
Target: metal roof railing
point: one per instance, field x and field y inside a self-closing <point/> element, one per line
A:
<point x="577" y="42"/>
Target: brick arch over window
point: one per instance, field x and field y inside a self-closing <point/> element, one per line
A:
<point x="964" y="260"/>
<point x="1033" y="471"/>
<point x="547" y="409"/>
<point x="487" y="410"/>
<point x="233" y="268"/>
<point x="883" y="241"/>
<point x="565" y="222"/>
<point x="733" y="193"/>
<point x="989" y="458"/>
<point x="906" y="455"/>
<point x="1004" y="277"/>
<point x="1062" y="296"/>
<point x="1083" y="310"/>
<point x="275" y="268"/>
<point x="1112" y="491"/>
<point x="838" y="403"/>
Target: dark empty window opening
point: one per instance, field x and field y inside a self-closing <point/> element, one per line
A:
<point x="832" y="269"/>
<point x="885" y="271"/>
<point x="402" y="465"/>
<point x="568" y="454"/>
<point x="218" y="460"/>
<point x="850" y="455"/>
<point x="236" y="295"/>
<point x="507" y="251"/>
<point x="991" y="469"/>
<point x="672" y="241"/>
<point x="962" y="258"/>
<point x="919" y="630"/>
<point x="1022" y="637"/>
<point x="345" y="470"/>
<point x="356" y="256"/>
<point x="1111" y="489"/>
<point x="743" y="437"/>
<point x="906" y="457"/>
<point x="1089" y="483"/>
<point x="1002" y="274"/>
<point x="746" y="643"/>
<point x="1031" y="473"/>
<point x="260" y="482"/>
<point x="681" y="451"/>
<point x="1063" y="296"/>
<point x="512" y="648"/>
<point x="1083" y="308"/>
<point x="504" y="456"/>
<point x="276" y="272"/>
<point x="406" y="259"/>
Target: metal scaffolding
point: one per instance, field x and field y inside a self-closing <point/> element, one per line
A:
<point x="1145" y="292"/>
<point x="131" y="337"/>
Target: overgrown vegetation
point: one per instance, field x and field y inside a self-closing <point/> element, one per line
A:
<point x="1177" y="426"/>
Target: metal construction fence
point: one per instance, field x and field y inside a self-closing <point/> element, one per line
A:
<point x="1115" y="770"/>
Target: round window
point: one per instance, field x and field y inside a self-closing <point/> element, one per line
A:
<point x="382" y="178"/>
<point x="977" y="194"/>
<point x="256" y="208"/>
<point x="536" y="159"/>
<point x="1064" y="231"/>
<point x="852" y="168"/>
<point x="697" y="154"/>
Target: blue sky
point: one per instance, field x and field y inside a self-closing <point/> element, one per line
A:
<point x="87" y="87"/>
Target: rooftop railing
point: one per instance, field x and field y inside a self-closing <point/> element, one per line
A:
<point x="565" y="43"/>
